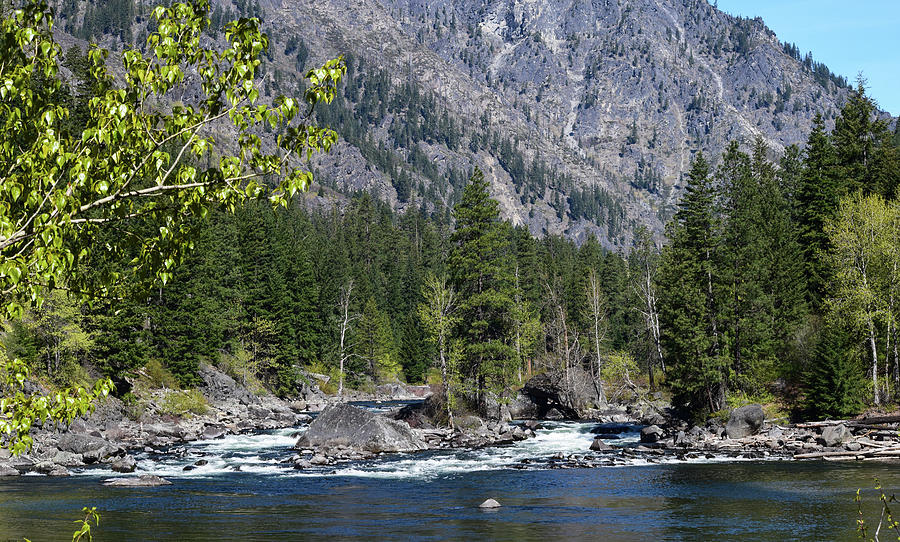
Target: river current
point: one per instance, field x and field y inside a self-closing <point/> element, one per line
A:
<point x="241" y="487"/>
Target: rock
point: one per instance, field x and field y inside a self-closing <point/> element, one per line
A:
<point x="522" y="406"/>
<point x="745" y="421"/>
<point x="318" y="459"/>
<point x="490" y="503"/>
<point x="67" y="459"/>
<point x="343" y="424"/>
<point x="651" y="434"/>
<point x="212" y="432"/>
<point x="7" y="470"/>
<point x="600" y="446"/>
<point x="125" y="464"/>
<point x="59" y="471"/>
<point x="853" y="446"/>
<point x="554" y="414"/>
<point x="835" y="435"/>
<point x="469" y="423"/>
<point x="166" y="430"/>
<point x="79" y="443"/>
<point x="139" y="481"/>
<point x="549" y="393"/>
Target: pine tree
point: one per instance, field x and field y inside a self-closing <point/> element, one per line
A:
<point x="817" y="203"/>
<point x="481" y="270"/>
<point x="688" y="308"/>
<point x="835" y="385"/>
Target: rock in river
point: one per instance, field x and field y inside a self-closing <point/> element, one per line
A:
<point x="490" y="503"/>
<point x="140" y="481"/>
<point x="355" y="428"/>
<point x="745" y="421"/>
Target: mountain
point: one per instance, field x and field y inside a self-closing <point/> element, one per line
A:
<point x="584" y="116"/>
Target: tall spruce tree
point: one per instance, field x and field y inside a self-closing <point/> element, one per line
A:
<point x="817" y="203"/>
<point x="834" y="384"/>
<point x="688" y="306"/>
<point x="480" y="266"/>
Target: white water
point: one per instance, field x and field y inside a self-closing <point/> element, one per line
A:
<point x="269" y="454"/>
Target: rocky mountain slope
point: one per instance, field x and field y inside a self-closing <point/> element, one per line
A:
<point x="584" y="115"/>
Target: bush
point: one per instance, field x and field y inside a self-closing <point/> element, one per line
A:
<point x="184" y="403"/>
<point x="158" y="376"/>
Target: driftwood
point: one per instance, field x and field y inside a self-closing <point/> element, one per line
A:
<point x="874" y="422"/>
<point x="882" y="453"/>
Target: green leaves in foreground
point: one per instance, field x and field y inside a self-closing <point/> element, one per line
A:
<point x="19" y="411"/>
<point x="145" y="160"/>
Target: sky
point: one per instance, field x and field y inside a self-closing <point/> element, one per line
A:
<point x="849" y="37"/>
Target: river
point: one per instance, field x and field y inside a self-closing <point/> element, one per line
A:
<point x="245" y="491"/>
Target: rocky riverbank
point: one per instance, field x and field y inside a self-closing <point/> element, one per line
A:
<point x="110" y="436"/>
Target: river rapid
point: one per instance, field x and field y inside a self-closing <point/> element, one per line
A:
<point x="242" y="487"/>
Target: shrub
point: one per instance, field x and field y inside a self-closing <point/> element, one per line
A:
<point x="184" y="403"/>
<point x="158" y="376"/>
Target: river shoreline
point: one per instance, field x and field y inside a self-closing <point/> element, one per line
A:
<point x="109" y="440"/>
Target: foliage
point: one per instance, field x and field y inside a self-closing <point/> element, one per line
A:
<point x="183" y="403"/>
<point x="131" y="164"/>
<point x="886" y="518"/>
<point x="158" y="376"/>
<point x="84" y="529"/>
<point x="834" y="384"/>
<point x="480" y="267"/>
<point x="19" y="411"/>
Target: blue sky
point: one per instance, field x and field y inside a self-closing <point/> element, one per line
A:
<point x="848" y="37"/>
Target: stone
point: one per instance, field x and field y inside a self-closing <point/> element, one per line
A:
<point x="745" y="421"/>
<point x="125" y="464"/>
<point x="469" y="423"/>
<point x="212" y="432"/>
<point x="490" y="503"/>
<point x="7" y="470"/>
<point x="853" y="446"/>
<point x="59" y="471"/>
<point x="147" y="480"/>
<point x="600" y="446"/>
<point x="550" y="394"/>
<point x="344" y="424"/>
<point x="835" y="435"/>
<point x="79" y="443"/>
<point x="67" y="459"/>
<point x="318" y="459"/>
<point x="651" y="434"/>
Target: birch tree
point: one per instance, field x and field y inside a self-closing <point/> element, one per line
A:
<point x="861" y="256"/>
<point x="437" y="315"/>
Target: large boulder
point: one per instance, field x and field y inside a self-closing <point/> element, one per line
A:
<point x="346" y="425"/>
<point x="651" y="434"/>
<point x="79" y="443"/>
<point x="549" y="393"/>
<point x="745" y="421"/>
<point x="522" y="407"/>
<point x="835" y="435"/>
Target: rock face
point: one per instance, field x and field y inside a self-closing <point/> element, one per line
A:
<point x="346" y="425"/>
<point x="836" y="435"/>
<point x="745" y="421"/>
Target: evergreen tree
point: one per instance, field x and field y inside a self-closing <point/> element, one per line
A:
<point x="817" y="203"/>
<point x="688" y="307"/>
<point x="834" y="384"/>
<point x="481" y="270"/>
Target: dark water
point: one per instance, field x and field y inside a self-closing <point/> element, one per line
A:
<point x="769" y="501"/>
